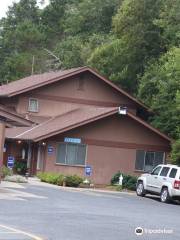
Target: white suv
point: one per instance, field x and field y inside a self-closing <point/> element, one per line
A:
<point x="164" y="180"/>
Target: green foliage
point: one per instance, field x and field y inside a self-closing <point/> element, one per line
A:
<point x="20" y="167"/>
<point x="169" y="23"/>
<point x="175" y="155"/>
<point x="73" y="180"/>
<point x="53" y="178"/>
<point x="116" y="61"/>
<point x="5" y="171"/>
<point x="90" y="16"/>
<point x="138" y="41"/>
<point x="58" y="179"/>
<point x="160" y="87"/>
<point x="129" y="182"/>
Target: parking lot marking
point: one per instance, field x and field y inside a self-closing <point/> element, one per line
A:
<point x="17" y="231"/>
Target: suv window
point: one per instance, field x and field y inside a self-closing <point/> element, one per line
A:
<point x="164" y="171"/>
<point x="156" y="171"/>
<point x="173" y="173"/>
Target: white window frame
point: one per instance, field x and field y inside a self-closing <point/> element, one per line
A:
<point x="29" y="105"/>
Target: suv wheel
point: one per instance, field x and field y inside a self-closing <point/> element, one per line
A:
<point x="140" y="191"/>
<point x="165" y="198"/>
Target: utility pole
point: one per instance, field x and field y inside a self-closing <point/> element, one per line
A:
<point x="32" y="69"/>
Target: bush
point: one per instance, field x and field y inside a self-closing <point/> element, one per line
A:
<point x="5" y="171"/>
<point x="58" y="179"/>
<point x="53" y="178"/>
<point x="73" y="181"/>
<point x="20" y="167"/>
<point x="175" y="154"/>
<point x="129" y="182"/>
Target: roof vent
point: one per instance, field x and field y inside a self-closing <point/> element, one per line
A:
<point x="122" y="110"/>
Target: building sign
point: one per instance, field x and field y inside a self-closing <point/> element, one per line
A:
<point x="50" y="149"/>
<point x="88" y="170"/>
<point x="72" y="140"/>
<point x="10" y="162"/>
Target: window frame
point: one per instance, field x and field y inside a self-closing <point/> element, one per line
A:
<point x="73" y="165"/>
<point x="165" y="167"/>
<point x="29" y="105"/>
<point x="173" y="168"/>
<point x="144" y="160"/>
<point x="152" y="173"/>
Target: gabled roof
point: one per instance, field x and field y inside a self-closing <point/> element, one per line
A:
<point x="39" y="80"/>
<point x="61" y="123"/>
<point x="71" y="120"/>
<point x="12" y="118"/>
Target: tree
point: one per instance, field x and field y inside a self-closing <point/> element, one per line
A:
<point x="90" y="16"/>
<point x="169" y="23"/>
<point x="117" y="62"/>
<point x="138" y="41"/>
<point x="175" y="155"/>
<point x="21" y="40"/>
<point x="160" y="89"/>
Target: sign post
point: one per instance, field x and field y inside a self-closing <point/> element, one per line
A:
<point x="88" y="171"/>
<point x="10" y="162"/>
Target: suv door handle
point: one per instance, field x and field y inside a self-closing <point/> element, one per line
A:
<point x="155" y="177"/>
<point x="164" y="178"/>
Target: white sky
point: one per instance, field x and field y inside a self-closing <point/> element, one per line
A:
<point x="4" y="6"/>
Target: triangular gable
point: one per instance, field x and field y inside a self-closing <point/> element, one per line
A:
<point x="36" y="81"/>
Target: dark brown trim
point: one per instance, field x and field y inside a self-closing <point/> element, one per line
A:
<point x="81" y="101"/>
<point x="125" y="145"/>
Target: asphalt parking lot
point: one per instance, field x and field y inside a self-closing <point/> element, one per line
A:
<point x="55" y="213"/>
<point x="8" y="233"/>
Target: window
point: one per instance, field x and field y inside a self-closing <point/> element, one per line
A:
<point x="156" y="171"/>
<point x="173" y="173"/>
<point x="33" y="105"/>
<point x="147" y="160"/>
<point x="164" y="171"/>
<point x="71" y="154"/>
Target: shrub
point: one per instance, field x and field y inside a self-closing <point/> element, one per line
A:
<point x="115" y="178"/>
<point x="58" y="179"/>
<point x="20" y="167"/>
<point x="129" y="182"/>
<point x="53" y="178"/>
<point x="73" y="180"/>
<point x="5" y="171"/>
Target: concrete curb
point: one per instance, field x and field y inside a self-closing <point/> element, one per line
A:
<point x="35" y="181"/>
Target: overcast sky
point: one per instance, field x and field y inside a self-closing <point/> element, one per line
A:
<point x="4" y="6"/>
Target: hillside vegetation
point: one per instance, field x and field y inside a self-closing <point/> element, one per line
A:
<point x="136" y="44"/>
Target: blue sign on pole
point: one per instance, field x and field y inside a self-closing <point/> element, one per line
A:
<point x="88" y="170"/>
<point x="50" y="149"/>
<point x="72" y="140"/>
<point x="10" y="162"/>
